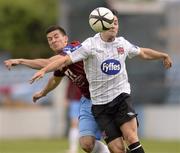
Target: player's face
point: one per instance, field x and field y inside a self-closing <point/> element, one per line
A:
<point x="111" y="33"/>
<point x="57" y="41"/>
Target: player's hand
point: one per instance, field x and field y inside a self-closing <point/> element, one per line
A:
<point x="11" y="62"/>
<point x="37" y="96"/>
<point x="38" y="75"/>
<point x="167" y="62"/>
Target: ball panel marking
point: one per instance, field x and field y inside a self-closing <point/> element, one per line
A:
<point x="101" y="19"/>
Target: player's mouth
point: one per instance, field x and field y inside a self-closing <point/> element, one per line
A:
<point x="55" y="45"/>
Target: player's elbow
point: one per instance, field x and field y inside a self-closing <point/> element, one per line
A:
<point x="63" y="62"/>
<point x="67" y="60"/>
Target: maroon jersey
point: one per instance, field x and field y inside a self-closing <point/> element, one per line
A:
<point x="73" y="92"/>
<point x="75" y="72"/>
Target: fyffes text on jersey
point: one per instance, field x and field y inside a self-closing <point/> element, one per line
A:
<point x="111" y="67"/>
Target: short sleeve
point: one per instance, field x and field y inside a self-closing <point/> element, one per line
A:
<point x="132" y="50"/>
<point x="82" y="52"/>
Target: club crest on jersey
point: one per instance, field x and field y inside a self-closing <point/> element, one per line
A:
<point x="111" y="67"/>
<point x="120" y="50"/>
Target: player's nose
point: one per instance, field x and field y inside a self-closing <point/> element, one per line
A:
<point x="53" y="39"/>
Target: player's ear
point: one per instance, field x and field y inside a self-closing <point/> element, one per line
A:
<point x="66" y="38"/>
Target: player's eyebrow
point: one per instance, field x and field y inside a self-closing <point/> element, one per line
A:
<point x="54" y="35"/>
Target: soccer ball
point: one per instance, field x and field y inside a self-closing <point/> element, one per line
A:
<point x="101" y="19"/>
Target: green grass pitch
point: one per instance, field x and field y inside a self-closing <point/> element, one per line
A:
<point x="61" y="145"/>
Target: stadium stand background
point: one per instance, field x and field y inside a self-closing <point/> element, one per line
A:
<point x="146" y="27"/>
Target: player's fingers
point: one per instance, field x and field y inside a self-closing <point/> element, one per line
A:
<point x="36" y="76"/>
<point x="168" y="65"/>
<point x="34" y="99"/>
<point x="6" y="62"/>
<point x="33" y="79"/>
<point x="8" y="65"/>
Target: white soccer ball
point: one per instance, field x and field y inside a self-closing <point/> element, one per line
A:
<point x="101" y="19"/>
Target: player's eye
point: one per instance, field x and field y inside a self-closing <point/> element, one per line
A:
<point x="56" y="37"/>
<point x="49" y="39"/>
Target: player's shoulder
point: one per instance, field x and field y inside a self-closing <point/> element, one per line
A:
<point x="93" y="40"/>
<point x="95" y="37"/>
<point x="72" y="46"/>
<point x="89" y="42"/>
<point x="120" y="38"/>
<point x="122" y="41"/>
<point x="75" y="43"/>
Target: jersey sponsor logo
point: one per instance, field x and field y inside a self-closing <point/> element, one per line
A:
<point x="111" y="67"/>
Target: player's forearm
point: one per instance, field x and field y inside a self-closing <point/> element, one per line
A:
<point x="57" y="64"/>
<point x="34" y="63"/>
<point x="151" y="54"/>
<point x="52" y="84"/>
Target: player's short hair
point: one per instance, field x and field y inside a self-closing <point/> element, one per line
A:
<point x="115" y="12"/>
<point x="55" y="27"/>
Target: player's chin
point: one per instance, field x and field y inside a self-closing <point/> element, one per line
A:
<point x="112" y="34"/>
<point x="56" y="48"/>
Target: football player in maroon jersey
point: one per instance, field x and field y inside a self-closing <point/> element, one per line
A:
<point x="58" y="42"/>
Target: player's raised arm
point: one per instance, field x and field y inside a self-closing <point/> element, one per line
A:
<point x="57" y="64"/>
<point x="31" y="63"/>
<point x="52" y="84"/>
<point x="150" y="54"/>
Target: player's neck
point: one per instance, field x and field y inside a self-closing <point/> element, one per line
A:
<point x="107" y="38"/>
<point x="58" y="51"/>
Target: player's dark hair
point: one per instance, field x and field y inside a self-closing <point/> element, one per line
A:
<point x="115" y="12"/>
<point x="55" y="27"/>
